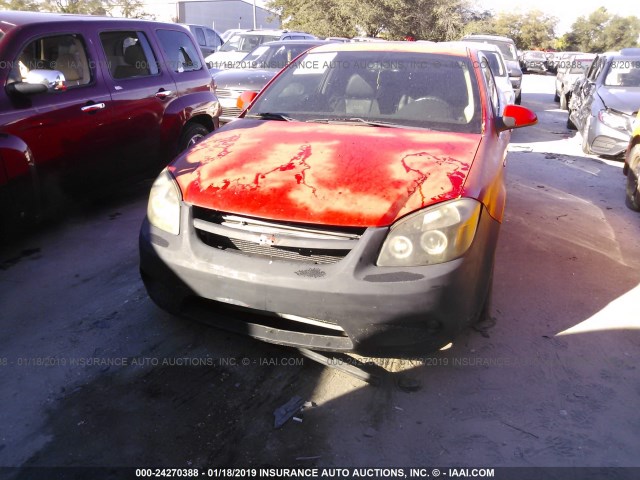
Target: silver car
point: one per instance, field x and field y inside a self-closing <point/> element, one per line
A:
<point x="604" y="106"/>
<point x="569" y="72"/>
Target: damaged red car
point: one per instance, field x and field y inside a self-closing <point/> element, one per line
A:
<point x="355" y="206"/>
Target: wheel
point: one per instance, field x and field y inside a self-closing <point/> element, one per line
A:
<point x="570" y="124"/>
<point x="556" y="97"/>
<point x="519" y="99"/>
<point x="564" y="102"/>
<point x="632" y="199"/>
<point x="191" y="135"/>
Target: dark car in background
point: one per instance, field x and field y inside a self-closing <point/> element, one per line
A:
<point x="208" y="39"/>
<point x="509" y="52"/>
<point x="255" y="70"/>
<point x="604" y="104"/>
<point x="534" y="61"/>
<point x="86" y="101"/>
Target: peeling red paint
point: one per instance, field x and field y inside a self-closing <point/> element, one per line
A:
<point x="347" y="175"/>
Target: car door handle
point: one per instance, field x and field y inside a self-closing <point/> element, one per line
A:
<point x="94" y="107"/>
<point x="164" y="94"/>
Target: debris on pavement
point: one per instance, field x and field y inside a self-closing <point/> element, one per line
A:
<point x="287" y="411"/>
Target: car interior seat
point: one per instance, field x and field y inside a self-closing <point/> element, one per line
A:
<point x="360" y="97"/>
<point x="72" y="62"/>
<point x="136" y="63"/>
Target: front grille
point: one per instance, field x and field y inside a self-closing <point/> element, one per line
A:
<point x="230" y="112"/>
<point x="315" y="256"/>
<point x="274" y="240"/>
<point x="223" y="93"/>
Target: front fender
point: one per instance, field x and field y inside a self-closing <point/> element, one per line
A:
<point x="19" y="185"/>
<point x="202" y="107"/>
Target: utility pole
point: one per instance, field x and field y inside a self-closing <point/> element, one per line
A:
<point x="254" y="15"/>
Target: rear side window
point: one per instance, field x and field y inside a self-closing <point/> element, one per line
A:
<point x="128" y="54"/>
<point x="213" y="40"/>
<point x="200" y="37"/>
<point x="491" y="85"/>
<point x="62" y="53"/>
<point x="181" y="53"/>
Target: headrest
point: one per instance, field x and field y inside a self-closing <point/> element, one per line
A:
<point x="358" y="87"/>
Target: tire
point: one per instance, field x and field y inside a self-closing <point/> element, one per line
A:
<point x="632" y="199"/>
<point x="570" y="124"/>
<point x="556" y="97"/>
<point x="564" y="102"/>
<point x="191" y="135"/>
<point x="519" y="99"/>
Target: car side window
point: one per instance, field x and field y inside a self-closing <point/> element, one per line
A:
<point x="66" y="54"/>
<point x="595" y="69"/>
<point x="491" y="84"/>
<point x="181" y="53"/>
<point x="213" y="40"/>
<point x="129" y="54"/>
<point x="200" y="37"/>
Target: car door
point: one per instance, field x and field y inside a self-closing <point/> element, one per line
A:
<point x="66" y="127"/>
<point x="141" y="89"/>
<point x="582" y="106"/>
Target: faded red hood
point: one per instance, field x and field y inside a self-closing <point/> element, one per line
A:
<point x="324" y="174"/>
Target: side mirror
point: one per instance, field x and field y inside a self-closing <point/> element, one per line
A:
<point x="245" y="99"/>
<point x="515" y="116"/>
<point x="52" y="79"/>
<point x="25" y="89"/>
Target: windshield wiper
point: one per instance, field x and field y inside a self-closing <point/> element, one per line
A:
<point x="270" y="116"/>
<point x="362" y="121"/>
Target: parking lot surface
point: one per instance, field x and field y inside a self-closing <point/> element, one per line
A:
<point x="93" y="374"/>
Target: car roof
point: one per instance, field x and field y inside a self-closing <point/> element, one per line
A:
<point x="400" y="46"/>
<point x="488" y="37"/>
<point x="13" y="19"/>
<point x="268" y="32"/>
<point x="16" y="19"/>
<point x="308" y="41"/>
<point x="487" y="47"/>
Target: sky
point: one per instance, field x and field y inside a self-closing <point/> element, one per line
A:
<point x="566" y="11"/>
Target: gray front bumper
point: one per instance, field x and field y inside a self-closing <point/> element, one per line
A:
<point x="367" y="309"/>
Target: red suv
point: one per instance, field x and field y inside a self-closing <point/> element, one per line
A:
<point x="86" y="100"/>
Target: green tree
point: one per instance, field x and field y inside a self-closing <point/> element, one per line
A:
<point x="393" y="19"/>
<point x="531" y="30"/>
<point x="321" y="17"/>
<point x="601" y="31"/>
<point x="90" y="7"/>
<point x="24" y="5"/>
<point x="132" y="9"/>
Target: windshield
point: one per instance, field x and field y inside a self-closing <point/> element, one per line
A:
<point x="273" y="56"/>
<point x="580" y="65"/>
<point x="395" y="88"/>
<point x="245" y="42"/>
<point x="495" y="63"/>
<point x="623" y="73"/>
<point x="507" y="49"/>
<point x="536" y="55"/>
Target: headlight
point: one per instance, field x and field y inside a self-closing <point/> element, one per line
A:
<point x="615" y="120"/>
<point x="163" y="210"/>
<point x="435" y="235"/>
